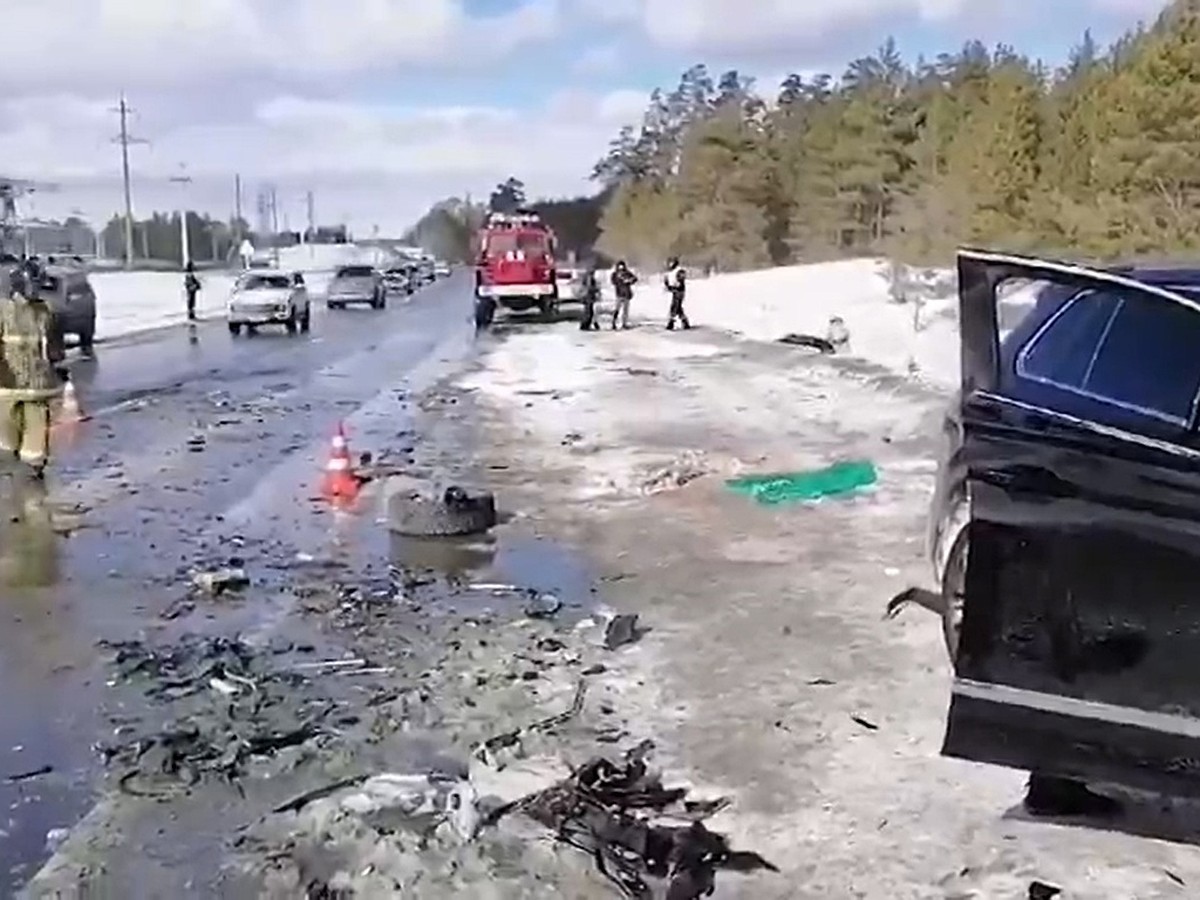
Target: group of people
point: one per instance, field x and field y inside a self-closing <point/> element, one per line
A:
<point x="623" y="279"/>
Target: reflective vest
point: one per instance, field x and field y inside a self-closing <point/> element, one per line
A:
<point x="29" y="348"/>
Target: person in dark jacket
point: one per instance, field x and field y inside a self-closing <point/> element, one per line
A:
<point x="191" y="287"/>
<point x="623" y="281"/>
<point x="675" y="281"/>
<point x="31" y="378"/>
<point x="591" y="296"/>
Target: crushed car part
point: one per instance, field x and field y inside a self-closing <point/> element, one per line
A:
<point x="456" y="513"/>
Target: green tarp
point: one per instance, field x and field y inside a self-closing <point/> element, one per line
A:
<point x="788" y="487"/>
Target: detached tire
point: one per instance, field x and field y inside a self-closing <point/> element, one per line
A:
<point x="455" y="513"/>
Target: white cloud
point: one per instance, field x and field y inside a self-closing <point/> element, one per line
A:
<point x="129" y="43"/>
<point x="751" y="26"/>
<point x="605" y="59"/>
<point x="377" y="163"/>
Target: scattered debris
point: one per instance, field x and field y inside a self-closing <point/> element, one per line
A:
<point x="220" y="581"/>
<point x="683" y="471"/>
<point x="787" y="487"/>
<point x="1039" y="890"/>
<point x="607" y="809"/>
<point x="485" y="752"/>
<point x="55" y="838"/>
<point x="808" y="340"/>
<point x="543" y="606"/>
<point x="29" y="776"/>
<point x="922" y="597"/>
<point x="865" y="723"/>
<point x="621" y="630"/>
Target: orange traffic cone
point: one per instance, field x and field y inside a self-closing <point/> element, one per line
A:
<point x="340" y="483"/>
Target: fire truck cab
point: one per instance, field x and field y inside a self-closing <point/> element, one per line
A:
<point x="515" y="266"/>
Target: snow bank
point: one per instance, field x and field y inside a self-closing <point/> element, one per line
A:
<point x="768" y="304"/>
<point x="136" y="301"/>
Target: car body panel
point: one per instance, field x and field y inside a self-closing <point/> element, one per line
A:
<point x="1079" y="653"/>
<point x="356" y="284"/>
<point x="268" y="298"/>
<point x="71" y="297"/>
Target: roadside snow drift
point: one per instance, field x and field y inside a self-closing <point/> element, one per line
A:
<point x="915" y="332"/>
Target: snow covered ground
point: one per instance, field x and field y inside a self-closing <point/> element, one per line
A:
<point x="918" y="336"/>
<point x="136" y="301"/>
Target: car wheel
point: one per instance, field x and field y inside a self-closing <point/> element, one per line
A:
<point x="235" y="329"/>
<point x="87" y="343"/>
<point x="954" y="583"/>
<point x="335" y="305"/>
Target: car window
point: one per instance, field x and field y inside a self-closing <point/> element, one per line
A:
<point x="1124" y="348"/>
<point x="355" y="272"/>
<point x="259" y="282"/>
<point x="1062" y="351"/>
<point x="1150" y="358"/>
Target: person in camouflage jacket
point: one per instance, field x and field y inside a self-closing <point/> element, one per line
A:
<point x="30" y="354"/>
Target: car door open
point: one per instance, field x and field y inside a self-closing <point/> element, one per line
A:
<point x="1080" y="642"/>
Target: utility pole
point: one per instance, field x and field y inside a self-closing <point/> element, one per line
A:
<point x="237" y="210"/>
<point x="125" y="139"/>
<point x="183" y="179"/>
<point x="310" y="235"/>
<point x="274" y="205"/>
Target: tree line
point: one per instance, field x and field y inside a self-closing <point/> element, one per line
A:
<point x="1099" y="158"/>
<point x="158" y="237"/>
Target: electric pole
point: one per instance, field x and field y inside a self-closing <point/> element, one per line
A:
<point x="274" y="201"/>
<point x="237" y="210"/>
<point x="310" y="236"/>
<point x="185" y="250"/>
<point x="125" y="139"/>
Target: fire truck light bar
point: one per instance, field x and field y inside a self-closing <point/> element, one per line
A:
<point x="514" y="219"/>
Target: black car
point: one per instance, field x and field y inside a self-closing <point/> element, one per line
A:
<point x="1065" y="526"/>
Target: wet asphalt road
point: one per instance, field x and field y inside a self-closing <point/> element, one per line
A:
<point x="201" y="447"/>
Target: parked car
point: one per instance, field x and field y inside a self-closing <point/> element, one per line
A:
<point x="269" y="298"/>
<point x="357" y="284"/>
<point x="399" y="280"/>
<point x="441" y="269"/>
<point x="71" y="298"/>
<point x="1065" y="525"/>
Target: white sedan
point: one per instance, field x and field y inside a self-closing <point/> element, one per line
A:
<point x="269" y="298"/>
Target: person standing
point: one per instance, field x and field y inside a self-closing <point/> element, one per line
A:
<point x="591" y="296"/>
<point x="623" y="281"/>
<point x="675" y="281"/>
<point x="191" y="287"/>
<point x="31" y="353"/>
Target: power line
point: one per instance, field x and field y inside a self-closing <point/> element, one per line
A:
<point x="125" y="139"/>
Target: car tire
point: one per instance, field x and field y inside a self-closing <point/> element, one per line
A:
<point x="456" y="513"/>
<point x="335" y="305"/>
<point x="235" y="329"/>
<point x="87" y="342"/>
<point x="953" y="591"/>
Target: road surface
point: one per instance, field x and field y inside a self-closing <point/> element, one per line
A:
<point x="200" y="447"/>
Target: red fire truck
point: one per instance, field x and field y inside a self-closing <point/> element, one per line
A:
<point x="515" y="266"/>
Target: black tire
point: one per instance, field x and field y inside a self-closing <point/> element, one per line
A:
<point x="454" y="514"/>
<point x="332" y="305"/>
<point x="235" y="329"/>
<point x="485" y="312"/>
<point x="954" y="580"/>
<point x="87" y="343"/>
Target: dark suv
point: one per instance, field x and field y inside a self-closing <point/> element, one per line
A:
<point x="69" y="293"/>
<point x="1065" y="526"/>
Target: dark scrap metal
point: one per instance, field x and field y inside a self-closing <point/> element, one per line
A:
<point x="606" y="809"/>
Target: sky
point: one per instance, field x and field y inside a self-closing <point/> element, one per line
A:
<point x="382" y="107"/>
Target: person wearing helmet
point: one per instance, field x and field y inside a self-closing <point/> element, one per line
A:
<point x="31" y="353"/>
<point x="623" y="281"/>
<point x="675" y="281"/>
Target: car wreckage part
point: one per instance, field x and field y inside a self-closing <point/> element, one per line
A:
<point x="456" y="513"/>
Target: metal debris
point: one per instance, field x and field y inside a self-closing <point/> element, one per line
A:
<point x="614" y="812"/>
